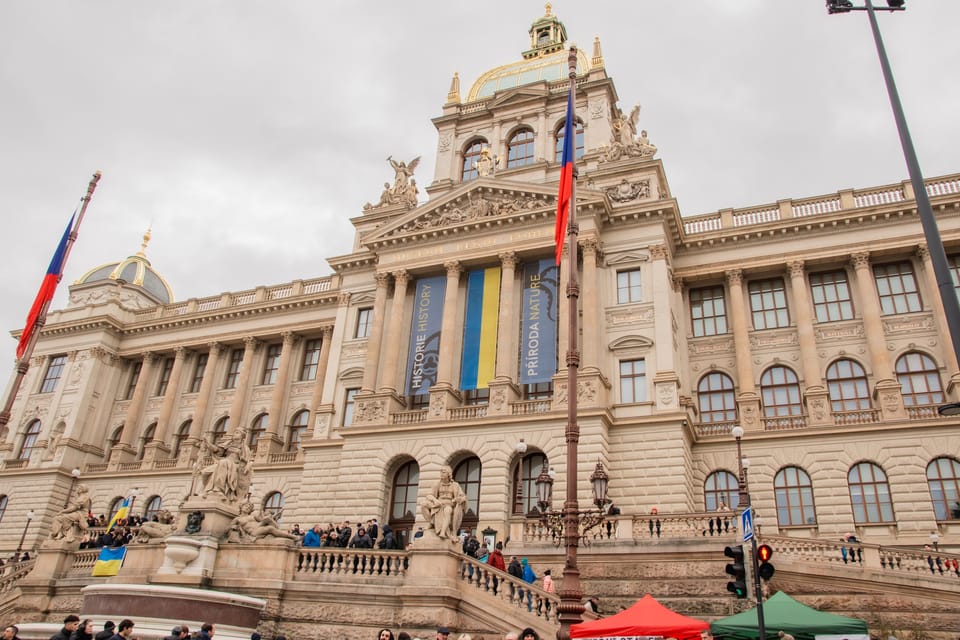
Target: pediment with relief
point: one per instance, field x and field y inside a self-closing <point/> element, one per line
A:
<point x="478" y="201"/>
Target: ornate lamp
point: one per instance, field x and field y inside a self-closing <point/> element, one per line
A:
<point x="544" y="484"/>
<point x="599" y="479"/>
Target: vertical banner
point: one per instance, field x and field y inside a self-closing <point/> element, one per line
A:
<point x="479" y="361"/>
<point x="425" y="335"/>
<point x="538" y="325"/>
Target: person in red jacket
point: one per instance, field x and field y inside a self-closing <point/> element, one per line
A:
<point x="496" y="561"/>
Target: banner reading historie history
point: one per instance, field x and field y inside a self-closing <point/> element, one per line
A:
<point x="481" y="319"/>
<point x="538" y="328"/>
<point x="425" y="335"/>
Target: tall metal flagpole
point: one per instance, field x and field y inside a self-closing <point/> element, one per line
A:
<point x="23" y="364"/>
<point x="571" y="593"/>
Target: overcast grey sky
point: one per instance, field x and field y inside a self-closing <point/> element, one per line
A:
<point x="248" y="133"/>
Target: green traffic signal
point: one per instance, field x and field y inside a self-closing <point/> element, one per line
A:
<point x="737" y="569"/>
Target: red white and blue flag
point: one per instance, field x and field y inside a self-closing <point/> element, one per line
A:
<point x="47" y="288"/>
<point x="566" y="178"/>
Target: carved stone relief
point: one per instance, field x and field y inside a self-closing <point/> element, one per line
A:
<point x="627" y="191"/>
<point x="476" y="207"/>
<point x="631" y="315"/>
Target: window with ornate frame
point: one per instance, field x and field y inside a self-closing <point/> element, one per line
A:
<point x="271" y="364"/>
<point x="897" y="288"/>
<point x="520" y="148"/>
<point x="297" y="430"/>
<point x="708" y="312"/>
<point x="53" y="374"/>
<point x="768" y="304"/>
<point x="793" y="491"/>
<point x="919" y="380"/>
<point x="30" y="437"/>
<point x="311" y="359"/>
<point x="633" y="381"/>
<point x="233" y="369"/>
<point x="830" y="292"/>
<point x="578" y="136"/>
<point x="869" y="494"/>
<point x="525" y="474"/>
<point x="257" y="428"/>
<point x="471" y="153"/>
<point x="364" y="322"/>
<point x="164" y="380"/>
<point x="538" y="391"/>
<point x="716" y="398"/>
<point x="403" y="501"/>
<point x="135" y="370"/>
<point x="721" y="486"/>
<point x="473" y="397"/>
<point x="780" y="390"/>
<point x="198" y="372"/>
<point x="943" y="478"/>
<point x="628" y="286"/>
<point x="847" y="385"/>
<point x="152" y="508"/>
<point x="183" y="432"/>
<point x="146" y="439"/>
<point x="467" y="475"/>
<point x="273" y="506"/>
<point x="349" y="404"/>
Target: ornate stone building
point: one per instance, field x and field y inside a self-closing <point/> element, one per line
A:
<point x="813" y="323"/>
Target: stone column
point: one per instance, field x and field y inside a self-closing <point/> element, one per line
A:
<point x="124" y="450"/>
<point x="507" y="321"/>
<point x="590" y="248"/>
<point x="748" y="402"/>
<point x="316" y="395"/>
<point x="448" y="334"/>
<point x="943" y="329"/>
<point x="666" y="381"/>
<point x="205" y="394"/>
<point x="170" y="399"/>
<point x="815" y="393"/>
<point x="886" y="389"/>
<point x="272" y="440"/>
<point x="250" y="345"/>
<point x="375" y="340"/>
<point x="388" y="376"/>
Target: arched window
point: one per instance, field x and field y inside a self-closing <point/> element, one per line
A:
<point x="721" y="486"/>
<point x="943" y="478"/>
<point x="578" y="136"/>
<point x="869" y="494"/>
<point x="114" y="507"/>
<point x="220" y="428"/>
<point x="146" y="439"/>
<point x="29" y="443"/>
<point x="296" y="430"/>
<point x="181" y="437"/>
<point x="525" y="482"/>
<point x="467" y="475"/>
<point x="153" y="507"/>
<point x="781" y="392"/>
<point x="794" y="494"/>
<point x="919" y="380"/>
<point x="113" y="440"/>
<point x="716" y="399"/>
<point x="847" y="383"/>
<point x="273" y="505"/>
<point x="257" y="428"/>
<point x="471" y="154"/>
<point x="403" y="502"/>
<point x="3" y="506"/>
<point x="520" y="148"/>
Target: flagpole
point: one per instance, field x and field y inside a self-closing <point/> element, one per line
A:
<point x="23" y="363"/>
<point x="571" y="592"/>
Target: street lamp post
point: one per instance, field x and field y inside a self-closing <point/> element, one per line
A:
<point x="23" y="536"/>
<point x="521" y="450"/>
<point x="743" y="466"/>
<point x="938" y="256"/>
<point x="133" y="498"/>
<point x="74" y="476"/>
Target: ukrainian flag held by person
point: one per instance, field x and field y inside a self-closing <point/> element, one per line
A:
<point x="566" y="177"/>
<point x="109" y="561"/>
<point x="120" y="514"/>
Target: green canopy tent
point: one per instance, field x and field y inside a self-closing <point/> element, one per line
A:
<point x="783" y="613"/>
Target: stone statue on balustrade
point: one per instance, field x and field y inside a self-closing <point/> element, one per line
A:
<point x="624" y="142"/>
<point x="231" y="471"/>
<point x="150" y="530"/>
<point x="71" y="522"/>
<point x="444" y="506"/>
<point x="248" y="527"/>
<point x="403" y="191"/>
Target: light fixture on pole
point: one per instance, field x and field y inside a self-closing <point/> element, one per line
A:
<point x="23" y="536"/>
<point x="743" y="465"/>
<point x="587" y="519"/>
<point x="521" y="449"/>
<point x="133" y="498"/>
<point x="74" y="476"/>
<point x="931" y="233"/>
<point x="737" y="433"/>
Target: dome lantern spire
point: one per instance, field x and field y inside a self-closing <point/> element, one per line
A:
<point x="547" y="34"/>
<point x="146" y="240"/>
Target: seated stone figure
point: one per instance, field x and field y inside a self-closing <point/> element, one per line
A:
<point x="247" y="527"/>
<point x="69" y="524"/>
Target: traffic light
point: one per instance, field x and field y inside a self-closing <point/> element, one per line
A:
<point x="737" y="569"/>
<point x="839" y="6"/>
<point x="895" y="4"/>
<point x="764" y="553"/>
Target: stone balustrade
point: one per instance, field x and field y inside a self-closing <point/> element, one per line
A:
<point x="11" y="573"/>
<point x="685" y="525"/>
<point x="352" y="562"/>
<point x="508" y="589"/>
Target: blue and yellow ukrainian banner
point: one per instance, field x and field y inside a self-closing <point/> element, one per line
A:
<point x="480" y="329"/>
<point x="120" y="514"/>
<point x="110" y="561"/>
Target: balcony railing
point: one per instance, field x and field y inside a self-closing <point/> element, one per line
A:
<point x="468" y="413"/>
<point x="358" y="562"/>
<point x="409" y="417"/>
<point x="924" y="412"/>
<point x="714" y="428"/>
<point x="861" y="416"/>
<point x="784" y="423"/>
<point x="530" y="407"/>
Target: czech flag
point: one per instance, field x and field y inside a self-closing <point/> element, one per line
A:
<point x="47" y="288"/>
<point x="109" y="561"/>
<point x="566" y="178"/>
<point x="120" y="514"/>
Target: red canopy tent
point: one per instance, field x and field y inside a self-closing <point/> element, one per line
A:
<point x="646" y="618"/>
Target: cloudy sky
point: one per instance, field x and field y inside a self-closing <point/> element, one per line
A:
<point x="247" y="133"/>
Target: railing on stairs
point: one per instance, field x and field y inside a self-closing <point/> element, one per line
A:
<point x="355" y="562"/>
<point x="12" y="572"/>
<point x="510" y="589"/>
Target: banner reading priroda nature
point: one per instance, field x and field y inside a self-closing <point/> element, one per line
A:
<point x="538" y="329"/>
<point x="425" y="335"/>
<point x="481" y="319"/>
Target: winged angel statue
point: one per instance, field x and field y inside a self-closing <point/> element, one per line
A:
<point x="404" y="189"/>
<point x="624" y="141"/>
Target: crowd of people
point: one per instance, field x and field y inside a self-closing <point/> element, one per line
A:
<point x="368" y="535"/>
<point x="76" y="629"/>
<point x="443" y="633"/>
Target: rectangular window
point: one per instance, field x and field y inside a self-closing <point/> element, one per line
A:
<point x="233" y="369"/>
<point x="633" y="381"/>
<point x="134" y="378"/>
<point x="419" y="402"/>
<point x="165" y="376"/>
<point x="54" y="371"/>
<point x="271" y="364"/>
<point x="538" y="391"/>
<point x="768" y="302"/>
<point x="364" y="322"/>
<point x="831" y="296"/>
<point x="311" y="359"/>
<point x="476" y="396"/>
<point x="897" y="288"/>
<point x="198" y="372"/>
<point x="708" y="311"/>
<point x="628" y="286"/>
<point x="348" y="404"/>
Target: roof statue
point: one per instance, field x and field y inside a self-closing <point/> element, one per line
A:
<point x="403" y="191"/>
<point x="624" y="141"/>
<point x="486" y="164"/>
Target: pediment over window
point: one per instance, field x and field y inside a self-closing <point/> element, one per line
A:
<point x="627" y="257"/>
<point x="537" y="91"/>
<point x="352" y="372"/>
<point x="630" y="342"/>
